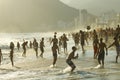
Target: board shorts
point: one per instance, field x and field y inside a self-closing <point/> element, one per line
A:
<point x="95" y="49"/>
<point x="118" y="50"/>
<point x="101" y="55"/>
<point x="42" y="49"/>
<point x="54" y="54"/>
<point x="69" y="62"/>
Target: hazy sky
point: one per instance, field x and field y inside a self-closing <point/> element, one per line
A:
<point x="95" y="6"/>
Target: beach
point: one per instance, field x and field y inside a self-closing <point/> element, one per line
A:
<point x="32" y="68"/>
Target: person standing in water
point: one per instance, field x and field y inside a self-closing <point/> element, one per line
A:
<point x="18" y="45"/>
<point x="95" y="46"/>
<point x="42" y="47"/>
<point x="55" y="50"/>
<point x="24" y="48"/>
<point x="12" y="46"/>
<point x="35" y="46"/>
<point x="101" y="55"/>
<point x="11" y="57"/>
<point x="117" y="45"/>
<point x="70" y="57"/>
<point x="82" y="40"/>
<point x="1" y="57"/>
<point x="65" y="39"/>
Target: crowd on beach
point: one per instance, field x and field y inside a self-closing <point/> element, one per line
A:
<point x="82" y="38"/>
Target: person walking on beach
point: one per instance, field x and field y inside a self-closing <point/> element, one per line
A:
<point x="24" y="48"/>
<point x="1" y="57"/>
<point x="70" y="57"/>
<point x="82" y="40"/>
<point x="101" y="55"/>
<point x="11" y="57"/>
<point x="55" y="50"/>
<point x="65" y="39"/>
<point x="76" y="39"/>
<point x="35" y="46"/>
<point x="42" y="47"/>
<point x="117" y="45"/>
<point x="95" y="46"/>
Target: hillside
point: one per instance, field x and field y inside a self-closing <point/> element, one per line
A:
<point x="34" y="15"/>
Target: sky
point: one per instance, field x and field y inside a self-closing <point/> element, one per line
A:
<point x="95" y="6"/>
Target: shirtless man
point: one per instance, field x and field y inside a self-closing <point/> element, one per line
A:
<point x="55" y="49"/>
<point x="11" y="57"/>
<point x="117" y="45"/>
<point x="101" y="54"/>
<point x="42" y="47"/>
<point x="95" y="46"/>
<point x="72" y="56"/>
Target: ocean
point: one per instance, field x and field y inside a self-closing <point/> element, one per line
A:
<point x="32" y="68"/>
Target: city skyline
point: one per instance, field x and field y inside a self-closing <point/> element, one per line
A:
<point x="95" y="7"/>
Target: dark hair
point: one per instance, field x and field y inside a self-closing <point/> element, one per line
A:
<point x="74" y="48"/>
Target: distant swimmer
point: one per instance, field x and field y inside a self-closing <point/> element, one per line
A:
<point x="70" y="57"/>
<point x="42" y="47"/>
<point x="1" y="57"/>
<point x="117" y="45"/>
<point x="101" y="55"/>
<point x="11" y="57"/>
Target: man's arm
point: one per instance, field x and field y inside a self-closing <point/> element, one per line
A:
<point x="106" y="49"/>
<point x="111" y="45"/>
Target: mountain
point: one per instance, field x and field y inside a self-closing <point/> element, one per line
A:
<point x="34" y="15"/>
<point x="95" y="6"/>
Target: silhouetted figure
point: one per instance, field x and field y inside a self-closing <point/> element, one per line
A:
<point x="11" y="57"/>
<point x="82" y="40"/>
<point x="60" y="43"/>
<point x="96" y="46"/>
<point x="35" y="46"/>
<point x="117" y="45"/>
<point x="18" y="45"/>
<point x="42" y="47"/>
<point x="94" y="34"/>
<point x="76" y="39"/>
<point x="54" y="41"/>
<point x="24" y="48"/>
<point x="55" y="49"/>
<point x="1" y="57"/>
<point x="64" y="39"/>
<point x="12" y="45"/>
<point x="70" y="57"/>
<point x="30" y="44"/>
<point x="101" y="55"/>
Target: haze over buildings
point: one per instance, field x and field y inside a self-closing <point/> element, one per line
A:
<point x="95" y="7"/>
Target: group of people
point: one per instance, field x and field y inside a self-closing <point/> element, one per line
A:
<point x="99" y="47"/>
